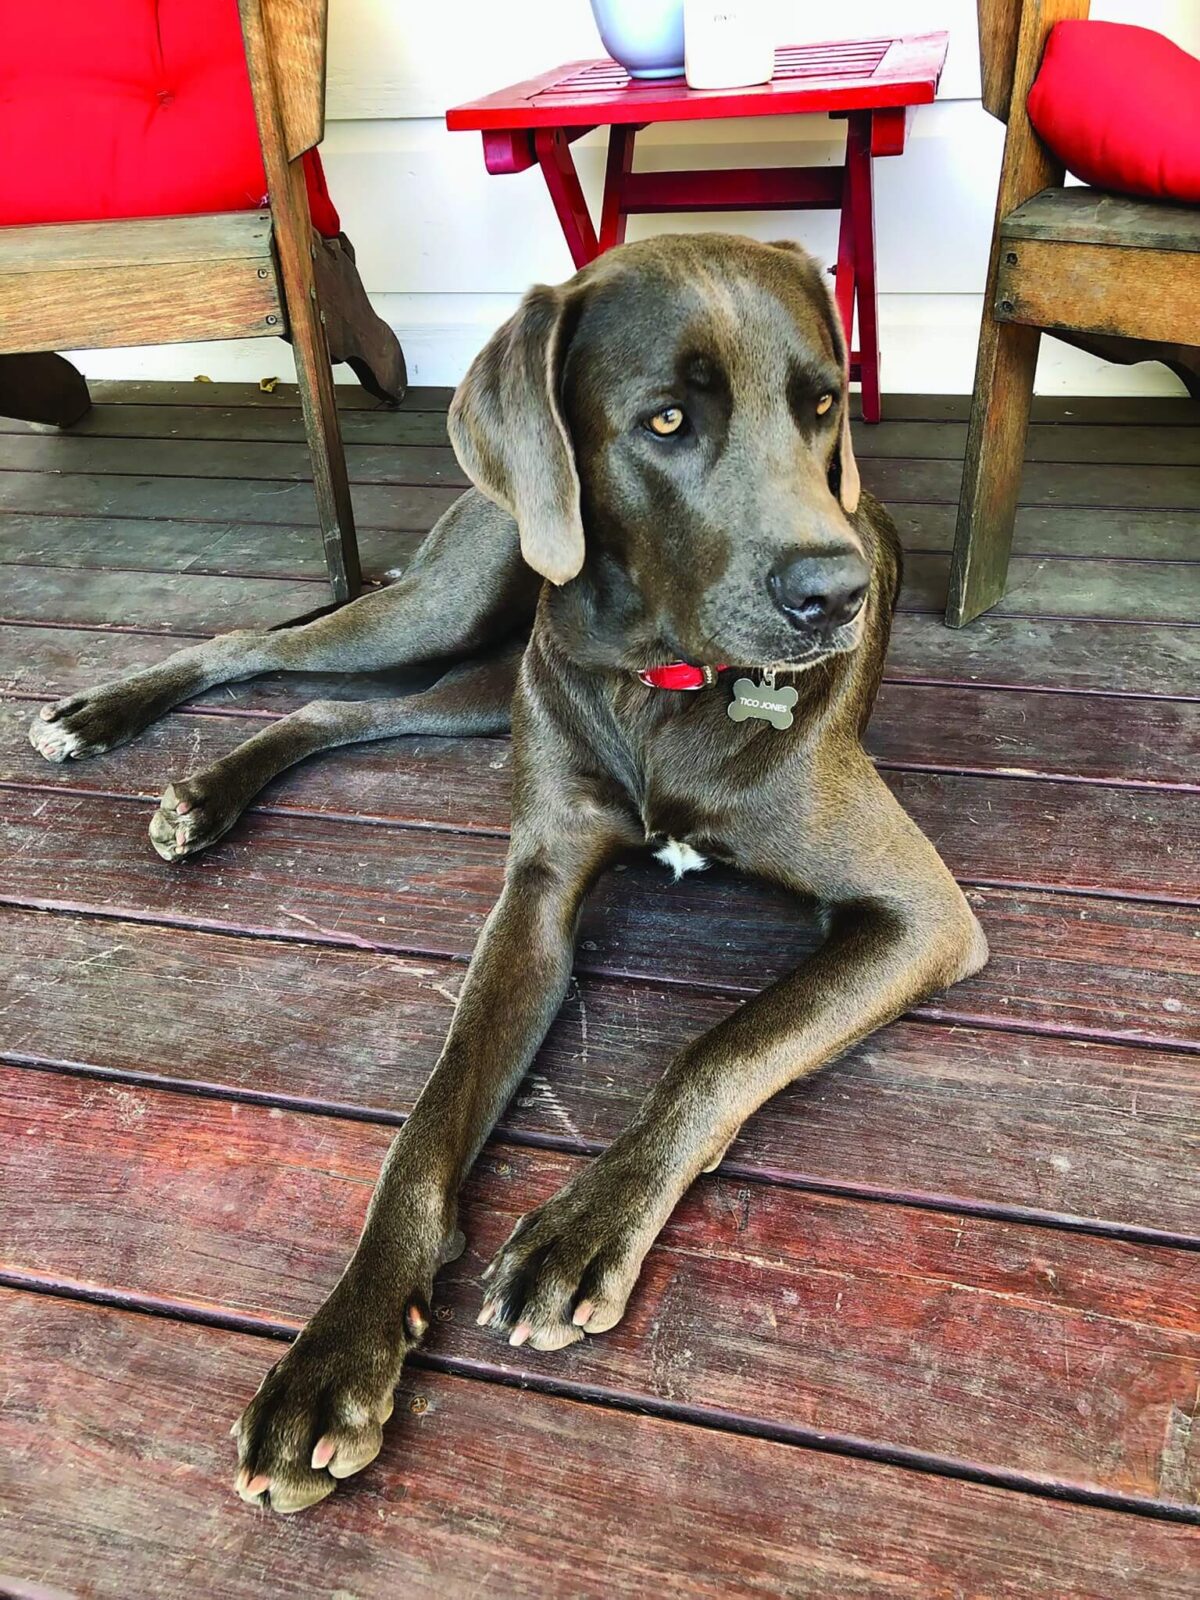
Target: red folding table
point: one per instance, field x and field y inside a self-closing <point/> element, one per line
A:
<point x="873" y="83"/>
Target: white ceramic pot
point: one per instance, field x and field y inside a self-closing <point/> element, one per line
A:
<point x="645" y="36"/>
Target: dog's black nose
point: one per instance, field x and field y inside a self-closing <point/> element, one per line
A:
<point x="820" y="591"/>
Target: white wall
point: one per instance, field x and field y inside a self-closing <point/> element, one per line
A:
<point x="446" y="250"/>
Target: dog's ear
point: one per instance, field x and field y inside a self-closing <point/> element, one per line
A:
<point x="507" y="429"/>
<point x="849" y="483"/>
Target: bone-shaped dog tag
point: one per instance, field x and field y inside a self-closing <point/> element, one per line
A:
<point x="762" y="700"/>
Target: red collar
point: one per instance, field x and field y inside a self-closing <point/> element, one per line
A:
<point x="680" y="675"/>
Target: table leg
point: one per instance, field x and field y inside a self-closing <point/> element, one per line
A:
<point x="862" y="210"/>
<point x="562" y="180"/>
<point x="620" y="163"/>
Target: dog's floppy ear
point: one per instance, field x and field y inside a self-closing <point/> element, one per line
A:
<point x="849" y="483"/>
<point x="507" y="429"/>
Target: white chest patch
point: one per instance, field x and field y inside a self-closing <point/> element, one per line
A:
<point x="680" y="858"/>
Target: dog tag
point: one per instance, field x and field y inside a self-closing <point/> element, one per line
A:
<point x="763" y="700"/>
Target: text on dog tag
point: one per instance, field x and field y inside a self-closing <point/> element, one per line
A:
<point x="759" y="700"/>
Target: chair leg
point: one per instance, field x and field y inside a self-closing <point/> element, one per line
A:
<point x="353" y="331"/>
<point x="43" y="387"/>
<point x="995" y="454"/>
<point x="319" y="404"/>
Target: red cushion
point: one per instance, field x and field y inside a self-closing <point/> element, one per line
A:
<point x="1120" y="108"/>
<point x="130" y="108"/>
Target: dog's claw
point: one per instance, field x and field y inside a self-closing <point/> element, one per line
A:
<point x="250" y="1488"/>
<point x="416" y="1320"/>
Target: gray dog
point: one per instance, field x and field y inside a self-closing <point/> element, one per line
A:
<point x="666" y="500"/>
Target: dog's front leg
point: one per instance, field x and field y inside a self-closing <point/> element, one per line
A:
<point x="900" y="929"/>
<point x="319" y="1413"/>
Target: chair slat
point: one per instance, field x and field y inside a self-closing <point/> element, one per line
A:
<point x="1093" y="216"/>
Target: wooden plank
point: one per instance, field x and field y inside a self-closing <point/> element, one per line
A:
<point x="1064" y="531"/>
<point x="1145" y="445"/>
<point x="1118" y="410"/>
<point x="1017" y="832"/>
<point x="1105" y="968"/>
<point x="170" y="304"/>
<point x="964" y="1118"/>
<point x="1080" y="657"/>
<point x="900" y="1326"/>
<point x="999" y="24"/>
<point x="296" y="30"/>
<point x="1119" y="591"/>
<point x="136" y="241"/>
<point x="922" y="727"/>
<point x="899" y="479"/>
<point x="1112" y="410"/>
<point x="682" y="1510"/>
<point x="211" y="458"/>
<point x="48" y="661"/>
<point x="87" y="544"/>
<point x="284" y="422"/>
<point x="245" y="501"/>
<point x="1056" y="654"/>
<point x="156" y="601"/>
<point x="237" y="500"/>
<point x="1134" y="294"/>
<point x="1083" y="215"/>
<point x="277" y="551"/>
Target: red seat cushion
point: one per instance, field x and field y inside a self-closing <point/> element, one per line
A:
<point x="1120" y="108"/>
<point x="130" y="108"/>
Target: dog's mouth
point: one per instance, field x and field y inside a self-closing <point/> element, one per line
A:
<point x="799" y="655"/>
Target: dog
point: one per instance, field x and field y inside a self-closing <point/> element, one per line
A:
<point x="668" y="581"/>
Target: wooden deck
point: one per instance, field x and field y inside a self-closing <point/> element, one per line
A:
<point x="932" y="1330"/>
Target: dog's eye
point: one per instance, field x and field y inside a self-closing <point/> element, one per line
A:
<point x="667" y="421"/>
<point x="823" y="404"/>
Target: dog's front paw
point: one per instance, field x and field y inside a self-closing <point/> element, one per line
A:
<point x="319" y="1413"/>
<point x="82" y="725"/>
<point x="190" y="817"/>
<point x="569" y="1267"/>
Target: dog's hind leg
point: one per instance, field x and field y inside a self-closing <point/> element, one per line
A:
<point x="473" y="698"/>
<point x="466" y="589"/>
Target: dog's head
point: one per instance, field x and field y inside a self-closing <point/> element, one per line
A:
<point x="673" y="424"/>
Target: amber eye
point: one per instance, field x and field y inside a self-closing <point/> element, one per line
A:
<point x="666" y="422"/>
<point x="823" y="404"/>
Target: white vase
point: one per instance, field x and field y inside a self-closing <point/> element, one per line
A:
<point x="729" y="44"/>
<point x="645" y="36"/>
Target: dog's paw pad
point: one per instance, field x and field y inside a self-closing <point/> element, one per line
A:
<point x="188" y="821"/>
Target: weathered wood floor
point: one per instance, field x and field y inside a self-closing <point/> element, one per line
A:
<point x="934" y="1327"/>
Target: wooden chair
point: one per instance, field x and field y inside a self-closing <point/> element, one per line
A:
<point x="236" y="275"/>
<point x="1116" y="276"/>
